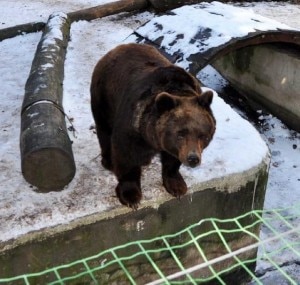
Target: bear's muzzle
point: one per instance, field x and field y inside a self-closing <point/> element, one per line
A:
<point x="193" y="159"/>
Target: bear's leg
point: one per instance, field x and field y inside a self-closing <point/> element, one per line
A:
<point x="128" y="189"/>
<point x="100" y="110"/>
<point x="172" y="179"/>
<point x="105" y="144"/>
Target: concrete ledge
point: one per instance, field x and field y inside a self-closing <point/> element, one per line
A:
<point x="269" y="75"/>
<point x="87" y="236"/>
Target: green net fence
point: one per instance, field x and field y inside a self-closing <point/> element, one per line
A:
<point x="207" y="251"/>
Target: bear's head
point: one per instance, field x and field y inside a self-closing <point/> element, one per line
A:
<point x="185" y="126"/>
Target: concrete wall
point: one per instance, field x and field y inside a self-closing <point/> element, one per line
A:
<point x="269" y="75"/>
<point x="223" y="198"/>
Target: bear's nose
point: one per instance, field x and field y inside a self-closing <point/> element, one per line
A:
<point x="193" y="160"/>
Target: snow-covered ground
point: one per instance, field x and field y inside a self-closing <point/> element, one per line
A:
<point x="19" y="12"/>
<point x="89" y="192"/>
<point x="22" y="209"/>
<point x="20" y="205"/>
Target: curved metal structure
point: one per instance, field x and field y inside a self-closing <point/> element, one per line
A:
<point x="215" y="29"/>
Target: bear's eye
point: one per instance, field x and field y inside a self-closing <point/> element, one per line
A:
<point x="203" y="138"/>
<point x="181" y="134"/>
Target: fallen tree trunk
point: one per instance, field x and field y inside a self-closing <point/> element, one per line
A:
<point x="108" y="9"/>
<point x="20" y="30"/>
<point x="164" y="5"/>
<point x="46" y="155"/>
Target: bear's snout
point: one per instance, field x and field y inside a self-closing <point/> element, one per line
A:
<point x="193" y="159"/>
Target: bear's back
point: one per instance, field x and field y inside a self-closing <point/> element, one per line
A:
<point x="124" y="74"/>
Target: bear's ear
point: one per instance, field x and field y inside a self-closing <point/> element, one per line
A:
<point x="165" y="102"/>
<point x="205" y="99"/>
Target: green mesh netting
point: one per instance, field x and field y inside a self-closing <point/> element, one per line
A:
<point x="193" y="256"/>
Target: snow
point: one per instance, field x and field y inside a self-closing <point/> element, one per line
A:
<point x="284" y="181"/>
<point x="54" y="23"/>
<point x="18" y="12"/>
<point x="22" y="209"/>
<point x="15" y="66"/>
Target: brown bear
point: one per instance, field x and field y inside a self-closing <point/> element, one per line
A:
<point x="143" y="105"/>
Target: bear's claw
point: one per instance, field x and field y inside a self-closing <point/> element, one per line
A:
<point x="134" y="207"/>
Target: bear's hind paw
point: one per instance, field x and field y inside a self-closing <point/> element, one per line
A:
<point x="129" y="194"/>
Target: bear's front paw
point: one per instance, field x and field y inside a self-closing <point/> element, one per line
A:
<point x="175" y="185"/>
<point x="129" y="194"/>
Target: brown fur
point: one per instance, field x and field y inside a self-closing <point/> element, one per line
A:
<point x="142" y="104"/>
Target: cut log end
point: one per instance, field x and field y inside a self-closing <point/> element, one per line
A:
<point x="48" y="169"/>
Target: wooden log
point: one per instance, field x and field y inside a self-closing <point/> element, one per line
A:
<point x="164" y="5"/>
<point x="108" y="9"/>
<point x="47" y="71"/>
<point x="46" y="155"/>
<point x="21" y="29"/>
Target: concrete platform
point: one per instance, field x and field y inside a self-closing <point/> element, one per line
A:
<point x="230" y="182"/>
<point x="223" y="197"/>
